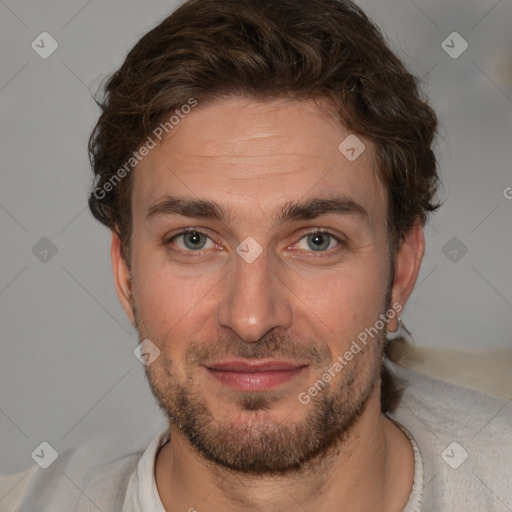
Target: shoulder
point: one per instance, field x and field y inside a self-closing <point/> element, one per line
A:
<point x="13" y="486"/>
<point x="465" y="440"/>
<point x="91" y="476"/>
<point x="448" y="409"/>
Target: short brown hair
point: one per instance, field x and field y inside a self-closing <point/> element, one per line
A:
<point x="269" y="49"/>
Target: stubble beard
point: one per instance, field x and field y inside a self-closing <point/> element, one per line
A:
<point x="261" y="445"/>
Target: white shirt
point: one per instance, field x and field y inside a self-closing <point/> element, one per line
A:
<point x="462" y="442"/>
<point x="142" y="493"/>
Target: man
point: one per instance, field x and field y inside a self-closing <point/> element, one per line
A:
<point x="266" y="169"/>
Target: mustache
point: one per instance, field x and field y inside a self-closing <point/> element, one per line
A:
<point x="271" y="346"/>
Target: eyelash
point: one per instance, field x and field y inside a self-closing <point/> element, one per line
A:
<point x="315" y="254"/>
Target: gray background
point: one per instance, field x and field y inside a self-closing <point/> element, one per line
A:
<point x="67" y="363"/>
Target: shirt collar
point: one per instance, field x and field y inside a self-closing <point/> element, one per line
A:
<point x="142" y="493"/>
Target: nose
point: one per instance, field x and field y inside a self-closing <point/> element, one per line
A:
<point x="255" y="300"/>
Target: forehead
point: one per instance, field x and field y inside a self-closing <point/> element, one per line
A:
<point x="250" y="156"/>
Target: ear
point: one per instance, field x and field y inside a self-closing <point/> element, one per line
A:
<point x="121" y="277"/>
<point x="407" y="268"/>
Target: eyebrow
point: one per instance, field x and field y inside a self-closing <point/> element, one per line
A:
<point x="290" y="211"/>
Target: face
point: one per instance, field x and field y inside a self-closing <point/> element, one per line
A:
<point x="256" y="301"/>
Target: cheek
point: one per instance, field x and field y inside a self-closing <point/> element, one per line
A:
<point x="166" y="302"/>
<point x="170" y="302"/>
<point x="350" y="301"/>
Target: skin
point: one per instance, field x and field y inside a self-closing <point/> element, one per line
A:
<point x="252" y="157"/>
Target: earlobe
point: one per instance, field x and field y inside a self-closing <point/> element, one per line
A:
<point x="122" y="277"/>
<point x="407" y="267"/>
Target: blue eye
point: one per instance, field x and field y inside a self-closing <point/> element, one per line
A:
<point x="320" y="241"/>
<point x="193" y="240"/>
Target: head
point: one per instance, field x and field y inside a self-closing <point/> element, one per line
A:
<point x="233" y="114"/>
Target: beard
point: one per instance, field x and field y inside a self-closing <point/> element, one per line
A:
<point x="261" y="445"/>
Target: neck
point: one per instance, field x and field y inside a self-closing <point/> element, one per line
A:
<point x="371" y="468"/>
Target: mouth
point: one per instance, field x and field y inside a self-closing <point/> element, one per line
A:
<point x="262" y="375"/>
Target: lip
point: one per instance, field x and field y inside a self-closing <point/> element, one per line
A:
<point x="261" y="365"/>
<point x="262" y="375"/>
